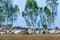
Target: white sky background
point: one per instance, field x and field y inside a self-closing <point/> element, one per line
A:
<point x="21" y="4"/>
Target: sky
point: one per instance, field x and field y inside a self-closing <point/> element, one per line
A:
<point x="21" y="4"/>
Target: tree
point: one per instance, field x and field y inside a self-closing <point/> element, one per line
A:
<point x="56" y="28"/>
<point x="52" y="4"/>
<point x="43" y="20"/>
<point x="1" y="13"/>
<point x="48" y="16"/>
<point x="0" y="20"/>
<point x="12" y="13"/>
<point x="8" y="12"/>
<point x="31" y="14"/>
<point x="44" y="26"/>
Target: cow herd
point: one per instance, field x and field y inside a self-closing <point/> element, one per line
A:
<point x="29" y="31"/>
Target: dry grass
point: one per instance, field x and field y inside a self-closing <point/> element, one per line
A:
<point x="30" y="37"/>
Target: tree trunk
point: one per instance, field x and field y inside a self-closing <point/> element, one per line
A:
<point x="0" y="24"/>
<point x="53" y="17"/>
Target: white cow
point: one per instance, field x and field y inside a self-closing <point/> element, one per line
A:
<point x="2" y="32"/>
<point x="17" y="31"/>
<point x="51" y="31"/>
<point x="30" y="31"/>
<point x="57" y="31"/>
<point x="37" y="32"/>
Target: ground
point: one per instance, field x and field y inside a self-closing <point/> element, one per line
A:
<point x="30" y="37"/>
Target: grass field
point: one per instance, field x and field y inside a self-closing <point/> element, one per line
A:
<point x="30" y="37"/>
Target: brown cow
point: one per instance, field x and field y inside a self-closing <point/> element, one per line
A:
<point x="24" y="32"/>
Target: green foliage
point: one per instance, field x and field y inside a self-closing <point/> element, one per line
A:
<point x="47" y="11"/>
<point x="0" y="20"/>
<point x="52" y="4"/>
<point x="53" y="1"/>
<point x="28" y="23"/>
<point x="23" y="14"/>
<point x="8" y="16"/>
<point x="0" y="17"/>
<point x="6" y="6"/>
<point x="16" y="8"/>
<point x="34" y="5"/>
<point x="56" y="28"/>
<point x="28" y="4"/>
<point x="44" y="26"/>
<point x="30" y="13"/>
<point x="38" y="24"/>
<point x="36" y="13"/>
<point x="8" y="12"/>
<point x="0" y="0"/>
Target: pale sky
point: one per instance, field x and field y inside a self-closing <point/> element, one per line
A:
<point x="21" y="4"/>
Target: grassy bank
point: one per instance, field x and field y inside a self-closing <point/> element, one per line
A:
<point x="30" y="37"/>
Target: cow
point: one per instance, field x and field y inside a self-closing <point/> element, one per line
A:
<point x="57" y="31"/>
<point x="24" y="32"/>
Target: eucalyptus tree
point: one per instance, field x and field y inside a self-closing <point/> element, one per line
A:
<point x="31" y="14"/>
<point x="8" y="12"/>
<point x="48" y="16"/>
<point x="43" y="19"/>
<point x="0" y="20"/>
<point x="0" y="15"/>
<point x="52" y="5"/>
<point x="11" y="12"/>
<point x="1" y="12"/>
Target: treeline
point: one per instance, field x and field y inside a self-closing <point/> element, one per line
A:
<point x="8" y="13"/>
<point x="34" y="15"/>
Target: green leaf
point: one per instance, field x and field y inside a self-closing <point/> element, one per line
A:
<point x="6" y="6"/>
<point x="31" y="13"/>
<point x="28" y="4"/>
<point x="0" y="17"/>
<point x="9" y="15"/>
<point x="23" y="14"/>
<point x="28" y="23"/>
<point x="36" y="13"/>
<point x="47" y="11"/>
<point x="16" y="8"/>
<point x="34" y="5"/>
<point x="0" y="0"/>
<point x="44" y="26"/>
